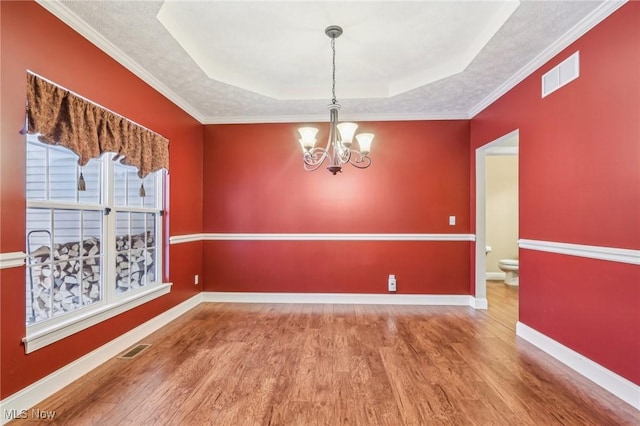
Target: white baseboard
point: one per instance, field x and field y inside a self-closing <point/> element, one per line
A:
<point x="45" y="387"/>
<point x="480" y="303"/>
<point x="342" y="298"/>
<point x="607" y="379"/>
<point x="495" y="276"/>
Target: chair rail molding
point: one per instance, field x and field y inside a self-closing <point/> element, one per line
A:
<point x="611" y="254"/>
<point x="176" y="239"/>
<point x="12" y="260"/>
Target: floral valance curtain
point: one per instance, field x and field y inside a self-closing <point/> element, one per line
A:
<point x="61" y="118"/>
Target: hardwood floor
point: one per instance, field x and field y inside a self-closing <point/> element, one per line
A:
<point x="285" y="364"/>
<point x="503" y="303"/>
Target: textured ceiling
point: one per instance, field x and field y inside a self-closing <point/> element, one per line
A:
<point x="386" y="50"/>
<point x="238" y="61"/>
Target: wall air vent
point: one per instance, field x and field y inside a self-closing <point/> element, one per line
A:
<point x="563" y="73"/>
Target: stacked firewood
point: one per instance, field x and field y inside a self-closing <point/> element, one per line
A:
<point x="131" y="259"/>
<point x="71" y="274"/>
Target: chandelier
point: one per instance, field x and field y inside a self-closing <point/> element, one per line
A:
<point x="339" y="150"/>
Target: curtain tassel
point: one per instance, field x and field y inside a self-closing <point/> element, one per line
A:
<point x="23" y="131"/>
<point x="143" y="193"/>
<point x="82" y="185"/>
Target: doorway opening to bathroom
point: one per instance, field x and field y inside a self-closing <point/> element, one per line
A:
<point x="497" y="227"/>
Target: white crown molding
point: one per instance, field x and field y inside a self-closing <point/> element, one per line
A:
<point x="341" y="298"/>
<point x="593" y="252"/>
<point x="607" y="379"/>
<point x="12" y="260"/>
<point x="43" y="388"/>
<point x="321" y="118"/>
<point x="605" y="9"/>
<point x="87" y="31"/>
<point x="176" y="239"/>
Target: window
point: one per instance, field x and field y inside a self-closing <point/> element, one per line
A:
<point x="89" y="250"/>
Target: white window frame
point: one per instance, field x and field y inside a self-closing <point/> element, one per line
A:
<point x="51" y="330"/>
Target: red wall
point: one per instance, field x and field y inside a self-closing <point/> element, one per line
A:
<point x="579" y="178"/>
<point x="33" y="39"/>
<point x="580" y="183"/>
<point x="254" y="182"/>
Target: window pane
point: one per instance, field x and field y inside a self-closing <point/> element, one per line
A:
<point x="133" y="188"/>
<point x="151" y="230"/>
<point x="91" y="280"/>
<point x="39" y="276"/>
<point x="150" y="266"/>
<point x="36" y="171"/>
<point x="67" y="230"/>
<point x="53" y="171"/>
<point x="62" y="174"/>
<point x="138" y="225"/>
<point x="137" y="268"/>
<point x="92" y="226"/>
<point x="39" y="280"/>
<point x="127" y="187"/>
<point x="149" y="199"/>
<point x="123" y="249"/>
<point x="136" y="247"/>
<point x="91" y="264"/>
<point x="93" y="182"/>
<point x="39" y="233"/>
<point x="122" y="272"/>
<point x="76" y="262"/>
<point x="119" y="185"/>
<point x="122" y="231"/>
<point x="66" y="289"/>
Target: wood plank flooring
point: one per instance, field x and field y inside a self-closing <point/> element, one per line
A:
<point x="503" y="303"/>
<point x="285" y="364"/>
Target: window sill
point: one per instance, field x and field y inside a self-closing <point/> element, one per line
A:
<point x="45" y="336"/>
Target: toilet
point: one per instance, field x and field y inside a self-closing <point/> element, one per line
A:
<point x="510" y="268"/>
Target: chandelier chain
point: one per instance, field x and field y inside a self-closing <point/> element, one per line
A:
<point x="333" y="77"/>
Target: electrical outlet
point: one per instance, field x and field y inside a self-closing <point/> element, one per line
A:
<point x="195" y="279"/>
<point x="392" y="283"/>
<point x="452" y="220"/>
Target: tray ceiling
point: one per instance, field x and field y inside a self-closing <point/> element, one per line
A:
<point x="266" y="61"/>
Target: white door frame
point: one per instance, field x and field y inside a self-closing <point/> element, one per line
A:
<point x="501" y="146"/>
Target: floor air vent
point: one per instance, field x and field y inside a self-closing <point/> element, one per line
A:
<point x="134" y="352"/>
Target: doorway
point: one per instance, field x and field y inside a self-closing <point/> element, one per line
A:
<point x="505" y="145"/>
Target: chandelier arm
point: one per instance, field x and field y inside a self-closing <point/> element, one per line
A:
<point x="315" y="157"/>
<point x="345" y="155"/>
<point x="310" y="168"/>
<point x="359" y="160"/>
